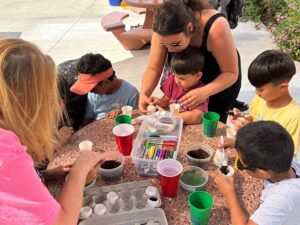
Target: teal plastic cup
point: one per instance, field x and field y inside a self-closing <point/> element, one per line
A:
<point x="200" y="203"/>
<point x="210" y="123"/>
<point x="122" y="119"/>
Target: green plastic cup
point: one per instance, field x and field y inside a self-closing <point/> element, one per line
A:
<point x="210" y="123"/>
<point x="200" y="203"/>
<point x="122" y="119"/>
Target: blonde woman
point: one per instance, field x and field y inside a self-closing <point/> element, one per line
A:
<point x="29" y="113"/>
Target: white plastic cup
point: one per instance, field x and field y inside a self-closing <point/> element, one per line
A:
<point x="174" y="108"/>
<point x="99" y="209"/>
<point x="85" y="212"/>
<point x="230" y="173"/>
<point x="85" y="146"/>
<point x="127" y="110"/>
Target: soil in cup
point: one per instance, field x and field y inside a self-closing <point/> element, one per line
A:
<point x="153" y="199"/>
<point x="198" y="154"/>
<point x="110" y="164"/>
<point x="224" y="170"/>
<point x="192" y="178"/>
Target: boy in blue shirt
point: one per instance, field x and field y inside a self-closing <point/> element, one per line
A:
<point x="106" y="93"/>
<point x="265" y="151"/>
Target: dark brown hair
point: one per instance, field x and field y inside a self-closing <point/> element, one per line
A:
<point x="173" y="16"/>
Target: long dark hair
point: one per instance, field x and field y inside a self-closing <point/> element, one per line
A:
<point x="173" y="16"/>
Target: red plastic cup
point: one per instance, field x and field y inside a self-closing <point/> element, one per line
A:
<point x="169" y="171"/>
<point x="124" y="134"/>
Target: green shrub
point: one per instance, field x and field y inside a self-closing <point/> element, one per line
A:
<point x="282" y="17"/>
<point x="286" y="30"/>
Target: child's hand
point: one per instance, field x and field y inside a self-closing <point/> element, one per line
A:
<point x="65" y="134"/>
<point x="58" y="172"/>
<point x="88" y="161"/>
<point x="238" y="119"/>
<point x="228" y="143"/>
<point x="112" y="114"/>
<point x="224" y="184"/>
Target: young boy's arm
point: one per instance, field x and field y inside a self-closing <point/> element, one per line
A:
<point x="226" y="187"/>
<point x="191" y="117"/>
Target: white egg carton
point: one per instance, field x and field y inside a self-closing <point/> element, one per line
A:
<point x="125" y="200"/>
<point x="149" y="216"/>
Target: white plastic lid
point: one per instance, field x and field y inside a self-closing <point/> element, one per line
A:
<point x="99" y="209"/>
<point x="85" y="212"/>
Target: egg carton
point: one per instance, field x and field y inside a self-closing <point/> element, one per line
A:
<point x="151" y="216"/>
<point x="119" y="199"/>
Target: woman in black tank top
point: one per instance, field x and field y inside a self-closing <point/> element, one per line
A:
<point x="180" y="23"/>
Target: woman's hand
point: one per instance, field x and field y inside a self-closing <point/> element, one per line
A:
<point x="144" y="101"/>
<point x="193" y="98"/>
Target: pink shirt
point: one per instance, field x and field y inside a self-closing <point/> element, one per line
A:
<point x="174" y="92"/>
<point x="24" y="199"/>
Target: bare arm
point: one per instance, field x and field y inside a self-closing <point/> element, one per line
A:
<point x="153" y="71"/>
<point x="220" y="43"/>
<point x="224" y="51"/>
<point x="226" y="187"/>
<point x="71" y="196"/>
<point x="191" y="117"/>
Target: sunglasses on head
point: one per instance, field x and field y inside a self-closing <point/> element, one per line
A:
<point x="240" y="167"/>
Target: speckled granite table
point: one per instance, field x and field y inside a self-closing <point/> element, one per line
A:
<point x="176" y="209"/>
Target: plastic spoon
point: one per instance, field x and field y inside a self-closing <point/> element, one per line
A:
<point x="224" y="163"/>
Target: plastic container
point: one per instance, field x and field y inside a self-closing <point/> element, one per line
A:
<point x="115" y="2"/>
<point x="147" y="167"/>
<point x="114" y="173"/>
<point x="121" y="199"/>
<point x="137" y="217"/>
<point x="200" y="162"/>
<point x="190" y="179"/>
